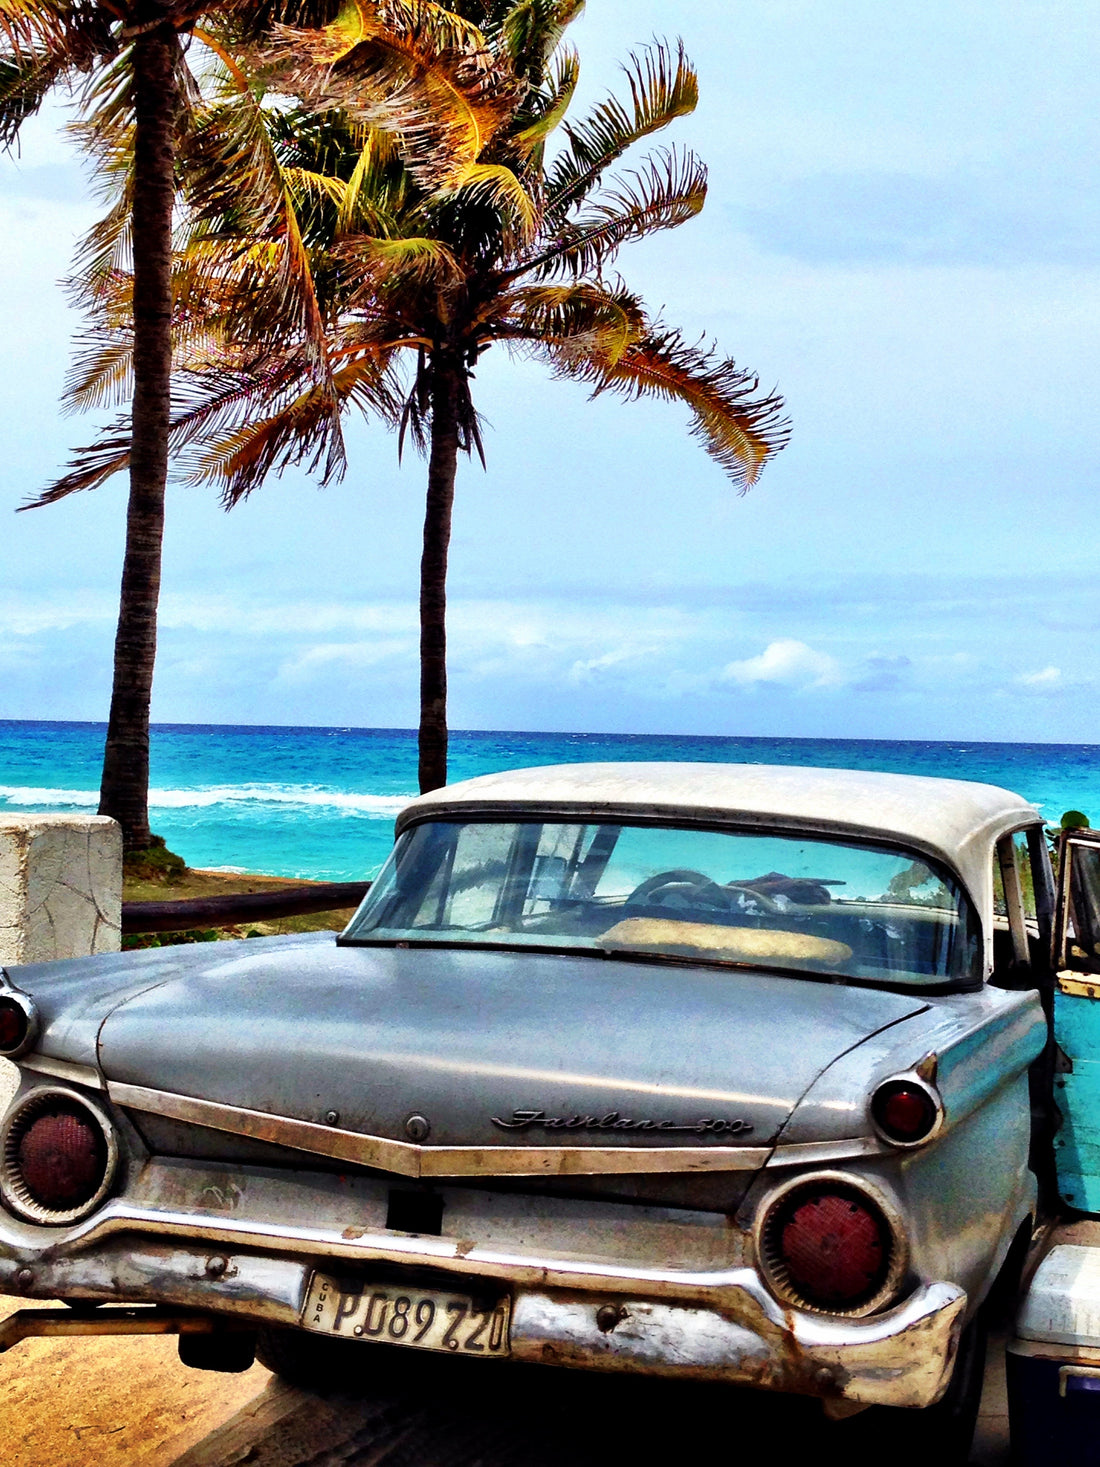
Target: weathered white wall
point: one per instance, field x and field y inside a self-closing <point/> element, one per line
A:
<point x="60" y="886"/>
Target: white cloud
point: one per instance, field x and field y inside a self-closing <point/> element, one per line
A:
<point x="588" y="669"/>
<point x="325" y="657"/>
<point x="786" y="663"/>
<point x="1047" y="680"/>
<point x="23" y="615"/>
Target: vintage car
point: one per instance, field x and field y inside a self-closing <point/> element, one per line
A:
<point x="720" y="1072"/>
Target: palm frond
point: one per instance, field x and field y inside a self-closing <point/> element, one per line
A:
<point x="283" y="429"/>
<point x="738" y="426"/>
<point x="373" y="263"/>
<point x="108" y="110"/>
<point x="304" y="432"/>
<point x="103" y="256"/>
<point x="273" y="417"/>
<point x="26" y="24"/>
<point x="90" y="466"/>
<point x="498" y="189"/>
<point x="238" y="187"/>
<point x="588" y="321"/>
<point x="49" y="36"/>
<point x="669" y="189"/>
<point x="102" y="373"/>
<point x="26" y="77"/>
<point x="663" y="86"/>
<point x="377" y="191"/>
<point x="216" y="407"/>
<point x="409" y="67"/>
<point x="532" y="31"/>
<point x="551" y="105"/>
<point x="307" y="186"/>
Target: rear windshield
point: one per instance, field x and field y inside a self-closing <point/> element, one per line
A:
<point x="788" y="903"/>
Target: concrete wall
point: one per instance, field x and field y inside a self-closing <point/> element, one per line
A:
<point x="60" y="886"/>
<point x="60" y="894"/>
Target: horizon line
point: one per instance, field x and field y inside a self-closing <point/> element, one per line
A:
<point x="341" y="728"/>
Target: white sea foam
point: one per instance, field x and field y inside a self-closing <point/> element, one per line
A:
<point x="17" y="794"/>
<point x="377" y="807"/>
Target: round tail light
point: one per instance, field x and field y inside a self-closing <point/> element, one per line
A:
<point x="18" y="1024"/>
<point x="905" y="1112"/>
<point x="58" y="1157"/>
<point x="827" y="1245"/>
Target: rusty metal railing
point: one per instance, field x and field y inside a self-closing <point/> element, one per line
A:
<point x="231" y="911"/>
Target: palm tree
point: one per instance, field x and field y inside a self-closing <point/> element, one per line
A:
<point x="126" y="60"/>
<point x="135" y="47"/>
<point x="401" y="156"/>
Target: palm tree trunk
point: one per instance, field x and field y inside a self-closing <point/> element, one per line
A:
<point x="442" y="466"/>
<point x="124" y="791"/>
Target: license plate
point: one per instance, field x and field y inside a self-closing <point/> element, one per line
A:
<point x="426" y="1319"/>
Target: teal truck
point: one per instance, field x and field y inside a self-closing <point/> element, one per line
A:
<point x="1053" y="1362"/>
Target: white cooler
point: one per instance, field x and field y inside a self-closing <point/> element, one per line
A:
<point x="1053" y="1364"/>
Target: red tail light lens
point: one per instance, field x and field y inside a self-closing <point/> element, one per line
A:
<point x="58" y="1157"/>
<point x="904" y="1112"/>
<point x="828" y="1246"/>
<point x="18" y="1023"/>
<point x="13" y="1024"/>
<point x="62" y="1158"/>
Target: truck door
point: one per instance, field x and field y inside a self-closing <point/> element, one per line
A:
<point x="1076" y="1017"/>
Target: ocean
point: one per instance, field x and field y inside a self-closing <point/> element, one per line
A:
<point x="320" y="802"/>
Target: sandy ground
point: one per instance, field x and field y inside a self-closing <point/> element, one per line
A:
<point x="90" y="1403"/>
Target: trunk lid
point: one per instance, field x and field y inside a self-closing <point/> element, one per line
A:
<point x="461" y="1037"/>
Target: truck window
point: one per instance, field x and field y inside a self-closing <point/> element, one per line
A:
<point x="1021" y="902"/>
<point x="1082" y="917"/>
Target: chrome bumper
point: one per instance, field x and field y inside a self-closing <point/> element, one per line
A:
<point x="740" y="1335"/>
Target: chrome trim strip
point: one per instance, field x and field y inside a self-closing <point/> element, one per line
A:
<point x="817" y="1153"/>
<point x="120" y="1217"/>
<point x="736" y="1333"/>
<point x="408" y="1160"/>
<point x="44" y="1064"/>
<point x="102" y="1253"/>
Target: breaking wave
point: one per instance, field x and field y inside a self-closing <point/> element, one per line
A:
<point x="373" y="807"/>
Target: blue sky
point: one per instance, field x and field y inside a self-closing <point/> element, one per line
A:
<point x="903" y="232"/>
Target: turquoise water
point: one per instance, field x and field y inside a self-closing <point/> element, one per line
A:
<point x="320" y="802"/>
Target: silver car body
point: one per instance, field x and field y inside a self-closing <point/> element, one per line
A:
<point x="267" y="1100"/>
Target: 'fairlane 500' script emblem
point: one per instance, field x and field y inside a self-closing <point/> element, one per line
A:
<point x="613" y="1121"/>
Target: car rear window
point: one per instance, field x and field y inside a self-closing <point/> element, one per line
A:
<point x="787" y="903"/>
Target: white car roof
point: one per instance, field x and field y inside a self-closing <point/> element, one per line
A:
<point x="955" y="821"/>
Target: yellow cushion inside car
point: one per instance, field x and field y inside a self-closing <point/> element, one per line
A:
<point x="747" y="944"/>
